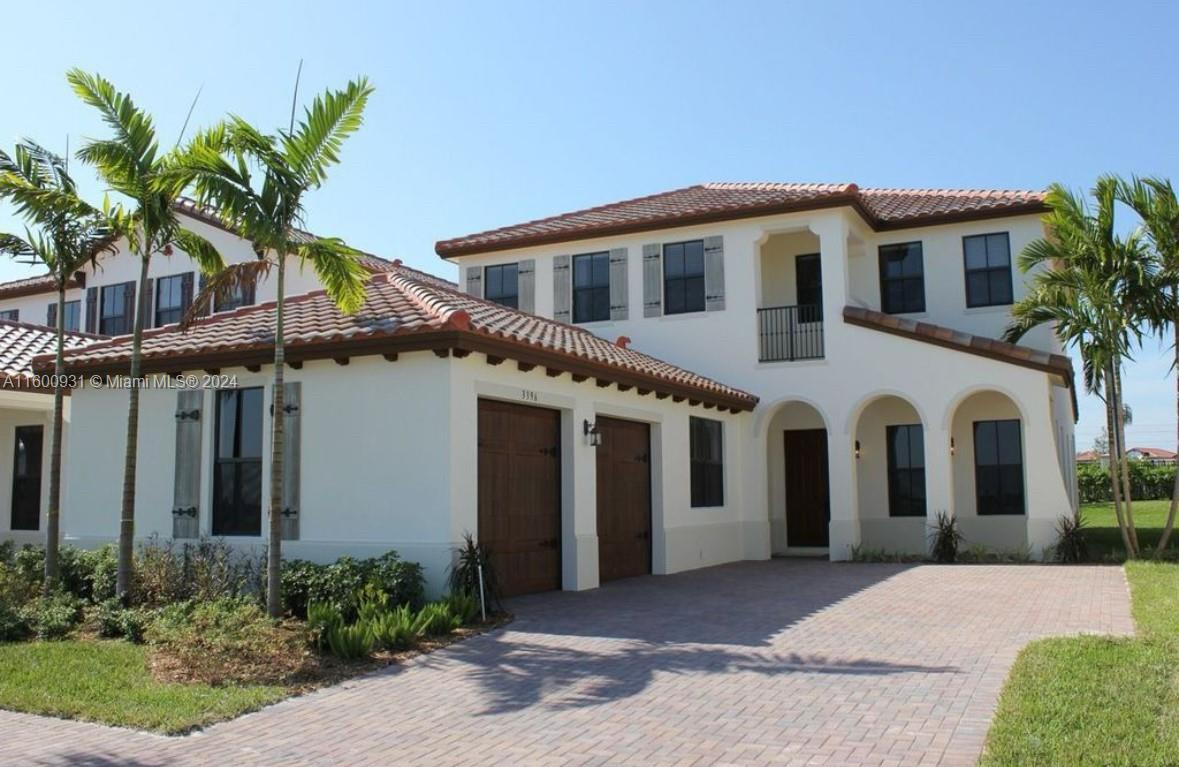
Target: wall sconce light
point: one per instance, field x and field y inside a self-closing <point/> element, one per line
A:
<point x="593" y="437"/>
<point x="857" y="450"/>
<point x="951" y="447"/>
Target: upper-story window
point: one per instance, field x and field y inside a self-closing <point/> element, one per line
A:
<point x="116" y="309"/>
<point x="988" y="269"/>
<point x="902" y="278"/>
<point x="72" y="319"/>
<point x="501" y="284"/>
<point x="591" y="287"/>
<point x="13" y="315"/>
<point x="683" y="277"/>
<point x="808" y="276"/>
<point x="242" y="295"/>
<point x="172" y="298"/>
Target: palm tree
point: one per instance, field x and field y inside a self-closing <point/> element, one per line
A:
<point x="70" y="233"/>
<point x="129" y="162"/>
<point x="1095" y="288"/>
<point x="257" y="183"/>
<point x="1155" y="203"/>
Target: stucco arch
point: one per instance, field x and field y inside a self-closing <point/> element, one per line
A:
<point x="970" y="391"/>
<point x="853" y="417"/>
<point x="768" y="412"/>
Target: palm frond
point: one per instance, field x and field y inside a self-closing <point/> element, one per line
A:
<point x="338" y="268"/>
<point x="134" y="130"/>
<point x="224" y="285"/>
<point x="200" y="250"/>
<point x="334" y="116"/>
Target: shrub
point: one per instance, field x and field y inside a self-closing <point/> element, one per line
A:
<point x="393" y="629"/>
<point x="435" y="619"/>
<point x="114" y="620"/>
<point x="54" y="616"/>
<point x="465" y="607"/>
<point x="946" y="538"/>
<point x="322" y="618"/>
<point x="340" y="583"/>
<point x="167" y="572"/>
<point x="1147" y="482"/>
<point x="464" y="574"/>
<point x="1071" y="545"/>
<point x="226" y="641"/>
<point x="350" y="642"/>
<point x="13" y="626"/>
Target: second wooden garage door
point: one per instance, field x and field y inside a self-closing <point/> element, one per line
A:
<point x="520" y="495"/>
<point x="624" y="499"/>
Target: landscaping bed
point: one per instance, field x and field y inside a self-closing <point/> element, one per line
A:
<point x="197" y="647"/>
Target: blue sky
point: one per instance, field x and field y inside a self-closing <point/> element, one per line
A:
<point x="493" y="113"/>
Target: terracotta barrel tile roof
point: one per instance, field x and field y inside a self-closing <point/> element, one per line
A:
<point x="21" y="342"/>
<point x="404" y="311"/>
<point x="31" y="286"/>
<point x="881" y="208"/>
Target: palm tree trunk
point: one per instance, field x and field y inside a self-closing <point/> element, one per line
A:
<point x="274" y="552"/>
<point x="1169" y="526"/>
<point x="1120" y="420"/>
<point x="1114" y="478"/>
<point x="127" y="517"/>
<point x="53" y="518"/>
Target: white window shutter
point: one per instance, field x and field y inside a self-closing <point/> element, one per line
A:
<point x="652" y="280"/>
<point x="714" y="273"/>
<point x="618" y="290"/>
<point x="292" y="450"/>
<point x="562" y="288"/>
<point x="475" y="281"/>
<point x="186" y="490"/>
<point x="526" y="285"/>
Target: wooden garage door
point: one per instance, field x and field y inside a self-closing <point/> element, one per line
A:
<point x="520" y="495"/>
<point x="624" y="499"/>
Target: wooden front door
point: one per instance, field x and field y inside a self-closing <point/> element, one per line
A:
<point x="26" y="477"/>
<point x="624" y="499"/>
<point x="520" y="495"/>
<point x="808" y="507"/>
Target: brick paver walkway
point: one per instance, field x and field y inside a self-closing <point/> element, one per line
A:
<point x="758" y="663"/>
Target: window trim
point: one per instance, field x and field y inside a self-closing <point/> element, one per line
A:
<point x="893" y="506"/>
<point x="967" y="271"/>
<point x="593" y="289"/>
<point x="706" y="502"/>
<point x="128" y="322"/>
<point x="683" y="279"/>
<point x="880" y="258"/>
<point x="77" y="304"/>
<point x="487" y="285"/>
<point x="237" y="461"/>
<point x="155" y="315"/>
<point x="1023" y="499"/>
<point x="798" y="259"/>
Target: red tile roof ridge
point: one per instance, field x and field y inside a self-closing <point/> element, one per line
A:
<point x="1031" y="194"/>
<point x="774" y="186"/>
<point x="49" y="328"/>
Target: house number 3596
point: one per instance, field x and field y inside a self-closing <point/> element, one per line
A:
<point x="528" y="395"/>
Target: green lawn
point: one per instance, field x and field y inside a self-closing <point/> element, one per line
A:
<point x="109" y="682"/>
<point x="1098" y="701"/>
<point x="1105" y="541"/>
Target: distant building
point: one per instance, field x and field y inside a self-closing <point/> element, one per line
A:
<point x="1153" y="455"/>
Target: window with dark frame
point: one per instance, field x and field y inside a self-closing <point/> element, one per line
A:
<point x="242" y="295"/>
<point x="116" y="315"/>
<point x="902" y="278"/>
<point x="170" y="299"/>
<point x="988" y="269"/>
<point x="706" y="448"/>
<point x="73" y="315"/>
<point x="906" y="470"/>
<point x="591" y="287"/>
<point x="683" y="277"/>
<point x="237" y="470"/>
<point x="501" y="284"/>
<point x="12" y="315"/>
<point x="808" y="277"/>
<point x="998" y="467"/>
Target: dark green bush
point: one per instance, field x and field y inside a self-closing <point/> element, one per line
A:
<point x="115" y="621"/>
<point x="322" y="618"/>
<point x="340" y="583"/>
<point x="13" y="626"/>
<point x="1147" y="482"/>
<point x="464" y="606"/>
<point x="54" y="616"/>
<point x="473" y="558"/>
<point x="1071" y="545"/>
<point x="945" y="539"/>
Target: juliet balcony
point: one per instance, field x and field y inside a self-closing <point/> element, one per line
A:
<point x="790" y="333"/>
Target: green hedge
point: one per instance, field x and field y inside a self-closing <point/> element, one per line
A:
<point x="1147" y="482"/>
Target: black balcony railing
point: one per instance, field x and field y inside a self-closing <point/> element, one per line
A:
<point x="790" y="333"/>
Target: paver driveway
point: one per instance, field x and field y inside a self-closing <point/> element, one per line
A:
<point x="782" y="662"/>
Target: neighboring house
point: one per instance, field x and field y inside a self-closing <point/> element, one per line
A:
<point x="863" y="319"/>
<point x="1152" y="455"/>
<point x="1092" y="457"/>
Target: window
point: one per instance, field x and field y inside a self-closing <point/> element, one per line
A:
<point x="12" y="315"/>
<point x="237" y="472"/>
<point x="501" y="284"/>
<point x="26" y="477"/>
<point x="808" y="277"/>
<point x="683" y="277"/>
<point x="906" y="470"/>
<point x="988" y="269"/>
<point x="73" y="315"/>
<point x="242" y="295"/>
<point x="171" y="298"/>
<point x="708" y="465"/>
<point x="998" y="467"/>
<point x="591" y="287"/>
<point x="116" y="312"/>
<point x="902" y="278"/>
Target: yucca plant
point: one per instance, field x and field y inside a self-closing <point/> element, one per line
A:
<point x="1071" y="545"/>
<point x="472" y="559"/>
<point x="945" y="539"/>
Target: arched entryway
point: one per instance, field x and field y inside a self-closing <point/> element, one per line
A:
<point x="797" y="471"/>
<point x="889" y="448"/>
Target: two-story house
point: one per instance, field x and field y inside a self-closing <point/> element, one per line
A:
<point x="865" y="321"/>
